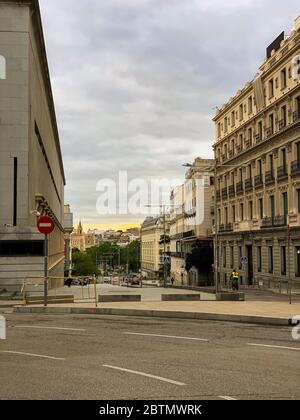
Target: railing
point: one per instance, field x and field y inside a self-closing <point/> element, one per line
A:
<point x="267" y="223"/>
<point x="280" y="221"/>
<point x="249" y="144"/>
<point x="295" y="169"/>
<point x="224" y="193"/>
<point x="231" y="153"/>
<point x="231" y="191"/>
<point x="270" y="178"/>
<point x="240" y="187"/>
<point x="258" y="138"/>
<point x="269" y="132"/>
<point x="282" y="172"/>
<point x="239" y="148"/>
<point x="259" y="181"/>
<point x="282" y="124"/>
<point x="249" y="185"/>
<point x="218" y="196"/>
<point x="296" y="115"/>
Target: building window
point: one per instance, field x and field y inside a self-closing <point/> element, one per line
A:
<point x="21" y="248"/>
<point x="261" y="208"/>
<point x="232" y="257"/>
<point x="283" y="79"/>
<point x="233" y="214"/>
<point x="283" y="260"/>
<point x="272" y="206"/>
<point x="242" y="212"/>
<point x="285" y="204"/>
<point x="224" y="257"/>
<point x="250" y="105"/>
<point x="240" y="258"/>
<point x="298" y="200"/>
<point x="271" y="123"/>
<point x="297" y="260"/>
<point x="241" y="112"/>
<point x="259" y="259"/>
<point x="233" y="119"/>
<point x="271" y="88"/>
<point x="250" y="210"/>
<point x="271" y="260"/>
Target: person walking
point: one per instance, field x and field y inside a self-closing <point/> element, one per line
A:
<point x="235" y="278"/>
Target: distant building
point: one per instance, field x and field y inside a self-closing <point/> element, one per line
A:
<point x="152" y="246"/>
<point x="78" y="239"/>
<point x="32" y="176"/>
<point x="191" y="224"/>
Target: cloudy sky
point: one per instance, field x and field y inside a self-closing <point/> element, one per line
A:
<point x="136" y="83"/>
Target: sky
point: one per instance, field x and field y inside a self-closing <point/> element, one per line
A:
<point x="136" y="84"/>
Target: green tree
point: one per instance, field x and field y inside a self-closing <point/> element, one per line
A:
<point x="83" y="265"/>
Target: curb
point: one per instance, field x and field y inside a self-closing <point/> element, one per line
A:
<point x="245" y="319"/>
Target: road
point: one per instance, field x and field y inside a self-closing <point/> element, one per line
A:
<point x="100" y="357"/>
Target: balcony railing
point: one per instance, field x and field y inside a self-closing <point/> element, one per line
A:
<point x="231" y="191"/>
<point x="258" y="138"/>
<point x="259" y="181"/>
<point x="280" y="221"/>
<point x="248" y="185"/>
<point x="282" y="172"/>
<point x="267" y="223"/>
<point x="295" y="168"/>
<point x="269" y="132"/>
<point x="282" y="124"/>
<point x="296" y="115"/>
<point x="218" y="196"/>
<point x="224" y="193"/>
<point x="248" y="143"/>
<point x="239" y="149"/>
<point x="231" y="154"/>
<point x="240" y="187"/>
<point x="270" y="178"/>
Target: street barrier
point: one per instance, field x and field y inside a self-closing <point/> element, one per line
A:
<point x="84" y="289"/>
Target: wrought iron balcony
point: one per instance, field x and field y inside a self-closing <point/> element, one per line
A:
<point x="259" y="182"/>
<point x="267" y="223"/>
<point x="296" y="115"/>
<point x="240" y="187"/>
<point x="224" y="193"/>
<point x="231" y="191"/>
<point x="280" y="221"/>
<point x="295" y="168"/>
<point x="270" y="177"/>
<point x="248" y="185"/>
<point x="282" y="124"/>
<point x="282" y="173"/>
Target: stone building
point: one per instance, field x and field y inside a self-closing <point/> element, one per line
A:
<point x="32" y="176"/>
<point x="191" y="223"/>
<point x="152" y="245"/>
<point x="258" y="171"/>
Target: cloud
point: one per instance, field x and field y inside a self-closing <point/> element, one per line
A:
<point x="136" y="81"/>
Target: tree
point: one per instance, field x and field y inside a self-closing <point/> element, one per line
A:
<point x="83" y="264"/>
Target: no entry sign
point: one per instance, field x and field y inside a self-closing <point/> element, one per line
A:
<point x="46" y="225"/>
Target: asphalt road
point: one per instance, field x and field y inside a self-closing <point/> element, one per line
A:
<point x="99" y="357"/>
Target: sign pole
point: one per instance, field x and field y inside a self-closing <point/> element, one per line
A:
<point x="46" y="273"/>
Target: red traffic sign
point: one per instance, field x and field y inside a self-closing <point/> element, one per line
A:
<point x="46" y="225"/>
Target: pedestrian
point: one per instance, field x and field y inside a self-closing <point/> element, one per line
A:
<point x="235" y="277"/>
<point x="172" y="281"/>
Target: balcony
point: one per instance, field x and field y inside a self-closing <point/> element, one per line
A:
<point x="270" y="177"/>
<point x="267" y="223"/>
<point x="240" y="188"/>
<point x="295" y="168"/>
<point x="229" y="227"/>
<point x="212" y="210"/>
<point x="282" y="124"/>
<point x="258" y="138"/>
<point x="248" y="185"/>
<point x="218" y="196"/>
<point x="231" y="191"/>
<point x="280" y="221"/>
<point x="239" y="149"/>
<point x="248" y="143"/>
<point x="231" y="154"/>
<point x="224" y="193"/>
<point x="282" y="173"/>
<point x="224" y="158"/>
<point x="269" y="132"/>
<point x="259" y="182"/>
<point x="296" y="115"/>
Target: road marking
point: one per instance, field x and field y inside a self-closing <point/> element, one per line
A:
<point x="168" y="336"/>
<point x="32" y="355"/>
<point x="273" y="347"/>
<point x="159" y="378"/>
<point x="227" y="398"/>
<point x="47" y="328"/>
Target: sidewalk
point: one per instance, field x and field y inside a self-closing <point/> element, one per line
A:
<point x="257" y="312"/>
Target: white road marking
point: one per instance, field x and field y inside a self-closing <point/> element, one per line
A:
<point x="227" y="398"/>
<point x="273" y="347"/>
<point x="19" y="353"/>
<point x="47" y="328"/>
<point x="168" y="336"/>
<point x="159" y="378"/>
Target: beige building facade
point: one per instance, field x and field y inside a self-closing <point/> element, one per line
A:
<point x="258" y="172"/>
<point x="191" y="221"/>
<point x="152" y="245"/>
<point x="31" y="169"/>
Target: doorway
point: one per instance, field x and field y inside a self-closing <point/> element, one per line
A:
<point x="250" y="265"/>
